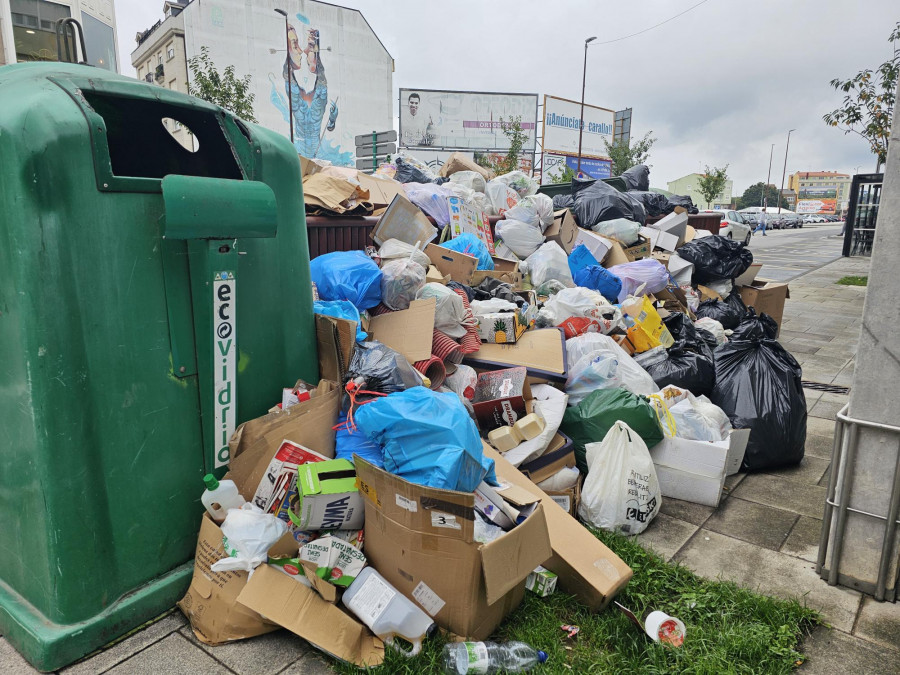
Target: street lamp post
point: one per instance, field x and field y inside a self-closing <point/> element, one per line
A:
<point x="764" y="199"/>
<point x="581" y="118"/>
<point x="784" y="170"/>
<point x="287" y="43"/>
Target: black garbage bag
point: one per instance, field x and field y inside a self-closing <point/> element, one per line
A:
<point x="758" y="385"/>
<point x="684" y="368"/>
<point x="726" y="314"/>
<point x="563" y="202"/>
<point x="380" y="369"/>
<point x="640" y="213"/>
<point x="494" y="288"/>
<point x="684" y="201"/>
<point x="687" y="336"/>
<point x="716" y="258"/>
<point x="637" y="177"/>
<point x="595" y="201"/>
<point x="654" y="203"/>
<point x="407" y="173"/>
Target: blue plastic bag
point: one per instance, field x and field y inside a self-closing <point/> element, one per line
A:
<point x="599" y="279"/>
<point x="341" y="309"/>
<point x="347" y="275"/>
<point x="581" y="257"/>
<point x="471" y="245"/>
<point x="428" y="438"/>
<point x="347" y="443"/>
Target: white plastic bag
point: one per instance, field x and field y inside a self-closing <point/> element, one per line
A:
<point x="723" y="287"/>
<point x="449" y="313"/>
<point x="543" y="206"/>
<point x="481" y="307"/>
<point x="550" y="404"/>
<point x="523" y="239"/>
<point x="401" y="280"/>
<point x="582" y="302"/>
<point x="695" y="418"/>
<point x="480" y="202"/>
<point x="519" y="182"/>
<point x="563" y="479"/>
<point x="461" y="191"/>
<point x="634" y="378"/>
<point x="693" y="298"/>
<point x="714" y="327"/>
<point x="247" y="535"/>
<point x="598" y="370"/>
<point x="470" y="179"/>
<point x="392" y="249"/>
<point x="649" y="273"/>
<point x="432" y="199"/>
<point x="500" y="197"/>
<point x="550" y="262"/>
<point x="462" y="381"/>
<point x="621" y="491"/>
<point x="524" y="212"/>
<point x="622" y="230"/>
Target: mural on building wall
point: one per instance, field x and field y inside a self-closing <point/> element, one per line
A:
<point x="302" y="89"/>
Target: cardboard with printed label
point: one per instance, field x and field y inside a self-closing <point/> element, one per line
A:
<point x="421" y="539"/>
<point x="569" y="498"/>
<point x="542" y="352"/>
<point x="541" y="582"/>
<point x="500" y="397"/>
<point x="327" y="498"/>
<point x="563" y="230"/>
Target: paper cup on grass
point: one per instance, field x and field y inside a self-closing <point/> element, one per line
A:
<point x="664" y="628"/>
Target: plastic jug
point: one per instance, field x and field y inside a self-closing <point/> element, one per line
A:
<point x="219" y="496"/>
<point x="387" y="612"/>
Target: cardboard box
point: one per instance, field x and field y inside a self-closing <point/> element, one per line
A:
<point x="409" y="331"/>
<point x="432" y="275"/>
<point x="568" y="499"/>
<point x="500" y="397"/>
<point x="585" y="566"/>
<point x="695" y="471"/>
<point x="404" y="220"/>
<point x="660" y="239"/>
<point x="421" y="540"/>
<point x="541" y="582"/>
<point x="514" y="279"/>
<point x="558" y="455"/>
<point x="674" y="224"/>
<point x="766" y="297"/>
<point x="563" y="230"/>
<point x="642" y="249"/>
<point x="500" y="327"/>
<point x="210" y="603"/>
<point x="680" y="269"/>
<point x="542" y="352"/>
<point x="747" y="278"/>
<point x="457" y="161"/>
<point x="335" y="340"/>
<point x="327" y="498"/>
<point x="459" y="266"/>
<point x="304" y="612"/>
<point x="598" y="245"/>
<point x="381" y="190"/>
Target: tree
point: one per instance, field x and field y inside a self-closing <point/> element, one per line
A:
<point x="868" y="106"/>
<point x="624" y="155"/>
<point x="225" y="89"/>
<point x="512" y="128"/>
<point x="567" y="175"/>
<point x="753" y="196"/>
<point x="712" y="183"/>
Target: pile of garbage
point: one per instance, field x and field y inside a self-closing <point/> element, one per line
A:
<point x="484" y="388"/>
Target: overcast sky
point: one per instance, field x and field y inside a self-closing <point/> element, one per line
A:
<point x="718" y="85"/>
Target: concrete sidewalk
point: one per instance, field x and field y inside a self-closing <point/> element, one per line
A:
<point x="765" y="533"/>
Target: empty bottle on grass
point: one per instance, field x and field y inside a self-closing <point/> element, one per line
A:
<point x="490" y="657"/>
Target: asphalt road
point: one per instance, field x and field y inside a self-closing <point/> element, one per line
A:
<point x="786" y="254"/>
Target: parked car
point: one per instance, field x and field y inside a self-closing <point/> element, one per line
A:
<point x="733" y="226"/>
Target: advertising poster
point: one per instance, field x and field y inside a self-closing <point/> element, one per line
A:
<point x="561" y="125"/>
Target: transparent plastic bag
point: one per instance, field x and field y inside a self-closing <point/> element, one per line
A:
<point x="500" y="197"/>
<point x="550" y="261"/>
<point x="714" y="327"/>
<point x="549" y="287"/>
<point x="470" y="179"/>
<point x="450" y="313"/>
<point x="247" y="535"/>
<point x="581" y="302"/>
<point x="392" y="249"/>
<point x="401" y="281"/>
<point x="519" y="182"/>
<point x="462" y="382"/>
<point x="523" y="239"/>
<point x="461" y="191"/>
<point x="622" y="230"/>
<point x="432" y="199"/>
<point x="598" y="370"/>
<point x="524" y="212"/>
<point x="649" y="273"/>
<point x="543" y="206"/>
<point x="634" y="378"/>
<point x="696" y="417"/>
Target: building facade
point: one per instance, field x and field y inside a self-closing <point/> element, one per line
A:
<point x="690" y="185"/>
<point x="789" y="199"/>
<point x="28" y="30"/>
<point x="320" y="72"/>
<point x="825" y="192"/>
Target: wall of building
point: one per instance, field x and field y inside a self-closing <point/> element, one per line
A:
<point x="690" y="185"/>
<point x="341" y="93"/>
<point x="828" y="191"/>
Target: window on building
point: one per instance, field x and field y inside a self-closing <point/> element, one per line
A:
<point x="173" y="85"/>
<point x="100" y="43"/>
<point x="34" y="28"/>
<point x="149" y="77"/>
<point x="170" y="52"/>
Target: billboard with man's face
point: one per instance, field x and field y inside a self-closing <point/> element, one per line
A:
<point x="463" y="120"/>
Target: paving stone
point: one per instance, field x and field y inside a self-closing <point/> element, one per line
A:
<point x="714" y="556"/>
<point x="311" y="664"/>
<point x="820" y="426"/>
<point x="259" y="655"/>
<point x="795" y="348"/>
<point x="831" y="652"/>
<point x="812" y="397"/>
<point x="665" y="535"/>
<point x="818" y="446"/>
<point x="823" y="481"/>
<point x="13" y="663"/>
<point x="686" y="511"/>
<point x="809" y="470"/>
<point x="803" y="541"/>
<point x="826" y="409"/>
<point x="171" y="656"/>
<point x="131" y="645"/>
<point x="751" y="522"/>
<point x="782" y="493"/>
<point x="879" y="622"/>
<point x="732" y="481"/>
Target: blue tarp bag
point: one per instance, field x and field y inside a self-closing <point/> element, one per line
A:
<point x="347" y="275"/>
<point x="471" y="245"/>
<point x="581" y="257"/>
<point x="346" y="444"/>
<point x="428" y="438"/>
<point x="340" y="309"/>
<point x="599" y="279"/>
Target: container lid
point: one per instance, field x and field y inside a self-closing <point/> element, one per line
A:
<point x="211" y="482"/>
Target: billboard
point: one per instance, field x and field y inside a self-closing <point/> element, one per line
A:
<point x="562" y="119"/>
<point x="332" y="83"/>
<point x="435" y="159"/>
<point x="818" y="199"/>
<point x="464" y="120"/>
<point x="553" y="166"/>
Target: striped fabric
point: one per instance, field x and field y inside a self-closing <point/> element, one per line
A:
<point x="470" y="342"/>
<point x="446" y="348"/>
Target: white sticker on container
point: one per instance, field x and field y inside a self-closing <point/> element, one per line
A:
<point x="408" y="504"/>
<point x="440" y="519"/>
<point x="429" y="600"/>
<point x="563" y="501"/>
<point x="371" y="599"/>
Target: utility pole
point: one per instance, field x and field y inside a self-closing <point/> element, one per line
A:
<point x="581" y="117"/>
<point x="287" y="63"/>
<point x="764" y="200"/>
<point x="784" y="171"/>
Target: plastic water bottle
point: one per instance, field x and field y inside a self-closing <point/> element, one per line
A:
<point x="219" y="496"/>
<point x="386" y="611"/>
<point x="462" y="658"/>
